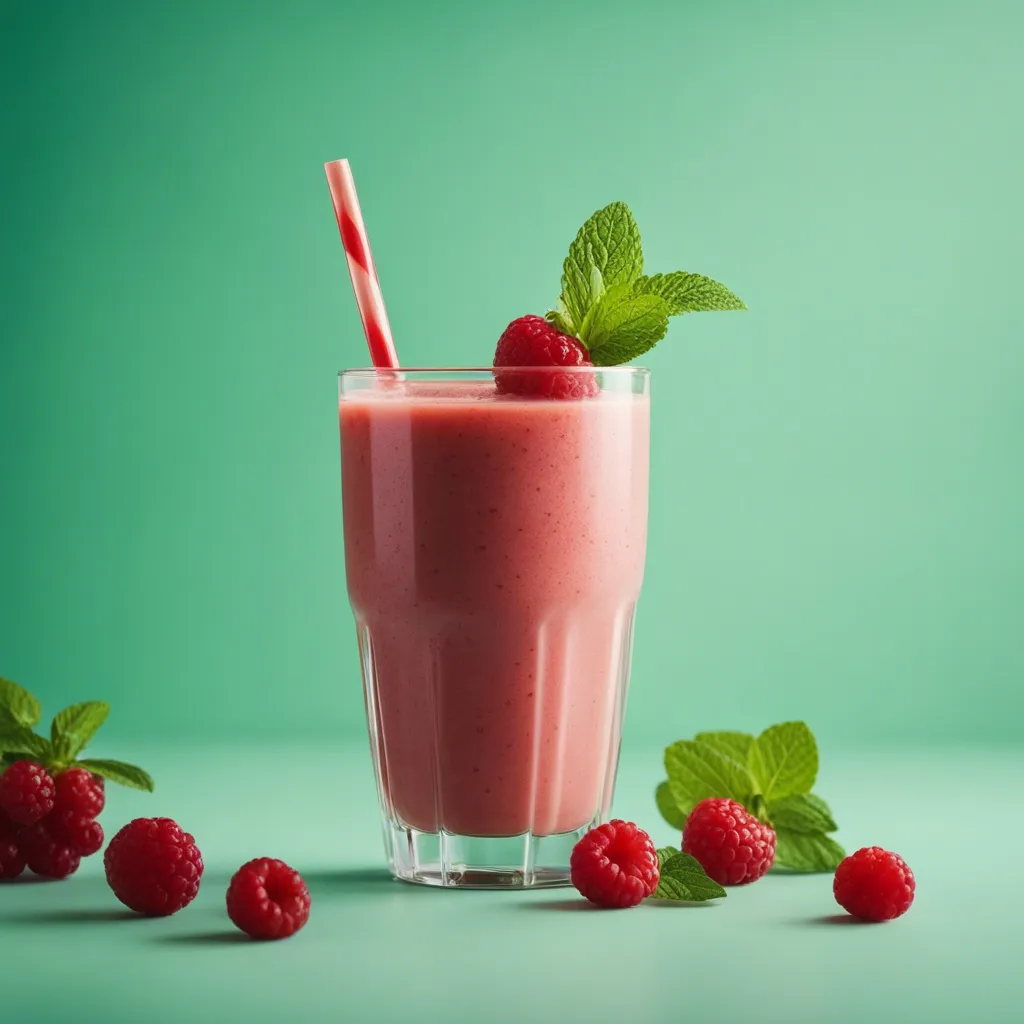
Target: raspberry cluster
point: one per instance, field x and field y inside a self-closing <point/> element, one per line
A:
<point x="48" y="824"/>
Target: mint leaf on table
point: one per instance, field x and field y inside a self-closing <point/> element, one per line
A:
<point x="733" y="744"/>
<point x="802" y="812"/>
<point x="689" y="293"/>
<point x="665" y="854"/>
<point x="807" y="851"/>
<point x="771" y="775"/>
<point x="609" y="242"/>
<point x="119" y="771"/>
<point x="74" y="726"/>
<point x="784" y="760"/>
<point x="683" y="879"/>
<point x="668" y="807"/>
<point x="18" y="706"/>
<point x="697" y="771"/>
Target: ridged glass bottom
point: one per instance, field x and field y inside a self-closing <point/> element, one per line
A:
<point x="494" y="747"/>
<point x="475" y="862"/>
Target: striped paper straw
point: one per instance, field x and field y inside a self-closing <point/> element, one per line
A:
<point x="360" y="264"/>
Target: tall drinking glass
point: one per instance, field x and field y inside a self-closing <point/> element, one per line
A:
<point x="494" y="552"/>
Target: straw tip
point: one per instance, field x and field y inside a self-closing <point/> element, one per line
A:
<point x="336" y="163"/>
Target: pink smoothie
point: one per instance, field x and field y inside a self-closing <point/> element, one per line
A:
<point x="494" y="550"/>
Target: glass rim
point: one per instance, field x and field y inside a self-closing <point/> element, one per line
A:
<point x="380" y="371"/>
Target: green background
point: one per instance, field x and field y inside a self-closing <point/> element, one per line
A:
<point x="836" y="528"/>
<point x="836" y="522"/>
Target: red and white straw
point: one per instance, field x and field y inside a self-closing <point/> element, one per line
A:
<point x="360" y="264"/>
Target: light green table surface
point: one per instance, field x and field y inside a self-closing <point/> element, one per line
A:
<point x="376" y="950"/>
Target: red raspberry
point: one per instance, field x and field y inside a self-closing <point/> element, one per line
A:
<point x="47" y="854"/>
<point x="874" y="884"/>
<point x="153" y="866"/>
<point x="615" y="865"/>
<point x="732" y="846"/>
<point x="26" y="792"/>
<point x="532" y="341"/>
<point x="80" y="791"/>
<point x="83" y="833"/>
<point x="12" y="860"/>
<point x="267" y="899"/>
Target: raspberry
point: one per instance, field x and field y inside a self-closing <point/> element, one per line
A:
<point x="26" y="792"/>
<point x="267" y="899"/>
<point x="732" y="846"/>
<point x="615" y="865"/>
<point x="874" y="884"/>
<point x="83" y="833"/>
<point x="12" y="860"/>
<point x="531" y="341"/>
<point x="47" y="854"/>
<point x="8" y="830"/>
<point x="153" y="866"/>
<point x="80" y="791"/>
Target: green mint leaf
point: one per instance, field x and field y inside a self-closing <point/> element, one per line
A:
<point x="697" y="771"/>
<point x="17" y="705"/>
<point x="16" y="755"/>
<point x="733" y="744"/>
<point x="809" y="852"/>
<point x="682" y="878"/>
<point x="689" y="293"/>
<point x="610" y="242"/>
<point x="802" y="812"/>
<point x="665" y="854"/>
<point x="784" y="760"/>
<point x="118" y="771"/>
<point x="668" y="807"/>
<point x="20" y="738"/>
<point x="622" y="329"/>
<point x="74" y="726"/>
<point x="559" y="319"/>
<point x="606" y="300"/>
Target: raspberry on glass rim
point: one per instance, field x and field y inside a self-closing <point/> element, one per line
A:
<point x="530" y="341"/>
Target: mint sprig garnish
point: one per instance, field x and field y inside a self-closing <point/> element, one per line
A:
<point x="772" y="775"/>
<point x="683" y="879"/>
<point x="605" y="252"/>
<point x="70" y="732"/>
<point x="608" y="303"/>
<point x="689" y="293"/>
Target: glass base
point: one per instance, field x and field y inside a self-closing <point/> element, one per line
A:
<point x="476" y="862"/>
